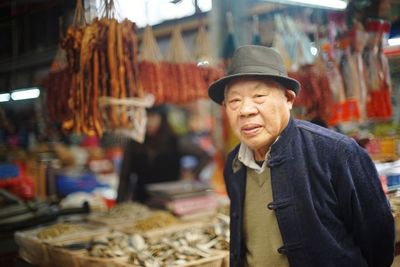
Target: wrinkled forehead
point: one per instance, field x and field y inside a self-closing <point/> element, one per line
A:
<point x="265" y="80"/>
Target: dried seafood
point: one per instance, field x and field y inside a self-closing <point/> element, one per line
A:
<point x="59" y="229"/>
<point x="111" y="246"/>
<point x="127" y="210"/>
<point x="157" y="219"/>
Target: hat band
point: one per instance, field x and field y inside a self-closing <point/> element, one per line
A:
<point x="266" y="70"/>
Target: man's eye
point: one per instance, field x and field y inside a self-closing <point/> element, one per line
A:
<point x="259" y="99"/>
<point x="234" y="103"/>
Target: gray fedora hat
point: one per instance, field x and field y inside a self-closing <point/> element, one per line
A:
<point x="253" y="60"/>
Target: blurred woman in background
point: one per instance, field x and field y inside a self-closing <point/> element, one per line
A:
<point x="154" y="161"/>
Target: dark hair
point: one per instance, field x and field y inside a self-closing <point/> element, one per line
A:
<point x="165" y="130"/>
<point x="161" y="109"/>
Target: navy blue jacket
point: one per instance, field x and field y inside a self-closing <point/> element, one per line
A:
<point x="327" y="197"/>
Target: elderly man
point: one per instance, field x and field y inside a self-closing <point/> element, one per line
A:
<point x="301" y="195"/>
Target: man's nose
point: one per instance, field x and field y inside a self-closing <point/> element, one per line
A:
<point x="248" y="107"/>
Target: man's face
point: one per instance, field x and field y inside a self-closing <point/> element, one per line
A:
<point x="258" y="110"/>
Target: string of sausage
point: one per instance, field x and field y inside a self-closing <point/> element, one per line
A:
<point x="103" y="61"/>
<point x="113" y="69"/>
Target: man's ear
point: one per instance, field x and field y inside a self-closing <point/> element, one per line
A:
<point x="290" y="96"/>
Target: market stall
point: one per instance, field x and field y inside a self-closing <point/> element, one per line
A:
<point x="129" y="234"/>
<point x="107" y="73"/>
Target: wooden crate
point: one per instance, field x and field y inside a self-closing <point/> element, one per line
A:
<point x="36" y="251"/>
<point x="31" y="248"/>
<point x="60" y="256"/>
<point x="88" y="261"/>
<point x="218" y="259"/>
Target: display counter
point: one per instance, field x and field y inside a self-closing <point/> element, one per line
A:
<point x="140" y="237"/>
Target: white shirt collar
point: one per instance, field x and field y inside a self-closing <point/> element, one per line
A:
<point x="246" y="156"/>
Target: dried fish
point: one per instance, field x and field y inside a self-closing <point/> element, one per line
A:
<point x="155" y="220"/>
<point x="127" y="210"/>
<point x="59" y="229"/>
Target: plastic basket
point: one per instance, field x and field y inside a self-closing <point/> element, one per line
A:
<point x="67" y="183"/>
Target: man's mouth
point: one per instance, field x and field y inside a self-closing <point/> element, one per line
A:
<point x="250" y="129"/>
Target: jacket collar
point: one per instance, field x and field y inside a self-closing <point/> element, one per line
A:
<point x="278" y="152"/>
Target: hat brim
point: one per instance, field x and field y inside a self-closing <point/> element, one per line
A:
<point x="217" y="88"/>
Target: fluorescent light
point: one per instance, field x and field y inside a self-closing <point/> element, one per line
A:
<point x="4" y="97"/>
<point x="314" y="50"/>
<point x="332" y="4"/>
<point x="25" y="94"/>
<point x="394" y="41"/>
<point x="203" y="63"/>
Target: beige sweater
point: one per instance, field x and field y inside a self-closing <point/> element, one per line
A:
<point x="261" y="232"/>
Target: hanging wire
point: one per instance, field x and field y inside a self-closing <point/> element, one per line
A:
<point x="202" y="44"/>
<point x="91" y="10"/>
<point x="178" y="51"/>
<point x="230" y="40"/>
<point x="150" y="50"/>
<point x="256" y="32"/>
<point x="108" y="9"/>
<point x="79" y="16"/>
<point x="146" y="10"/>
